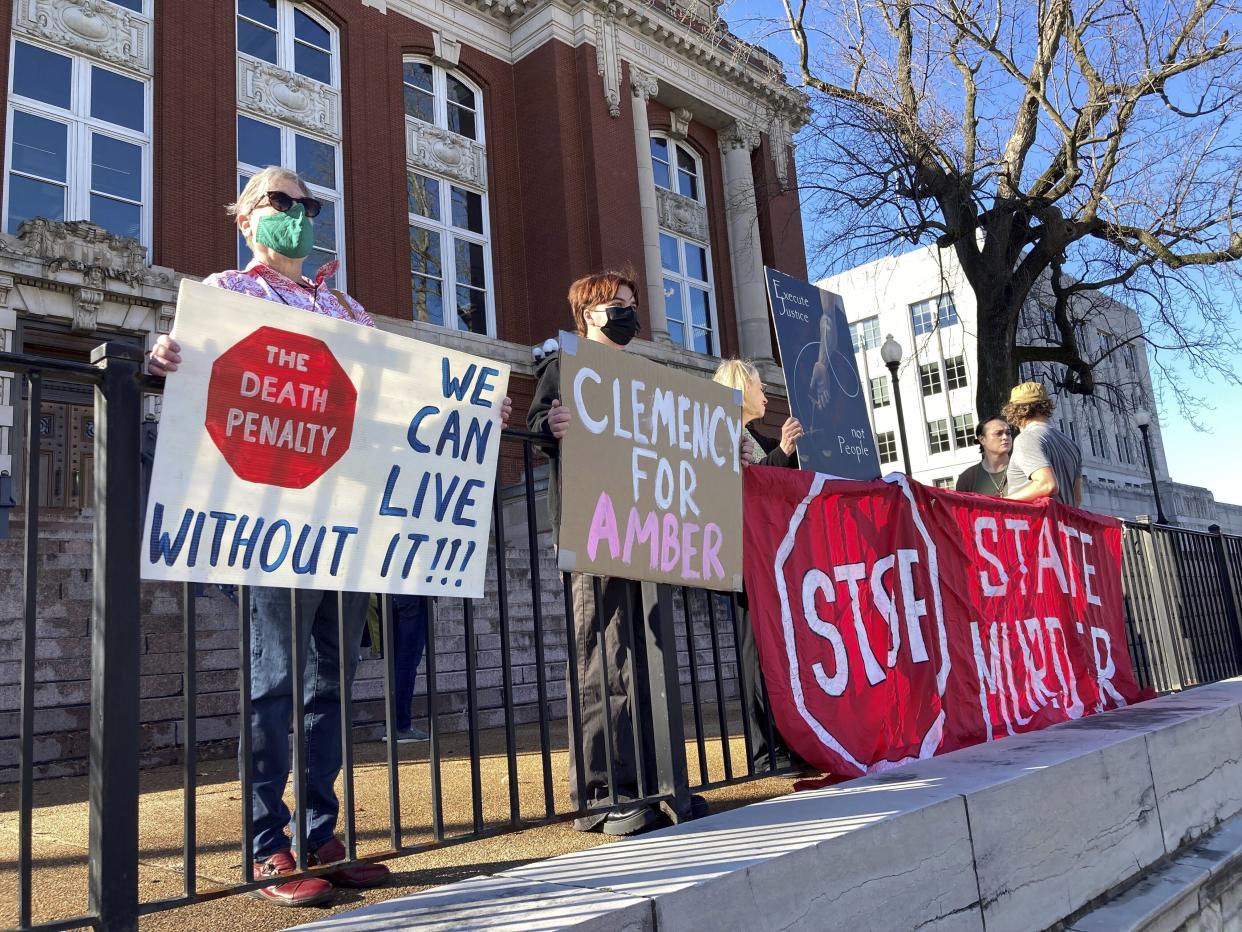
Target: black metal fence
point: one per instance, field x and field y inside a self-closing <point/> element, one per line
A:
<point x="704" y="625"/>
<point x="1181" y="591"/>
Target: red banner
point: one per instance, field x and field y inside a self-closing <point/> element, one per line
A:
<point x="896" y="621"/>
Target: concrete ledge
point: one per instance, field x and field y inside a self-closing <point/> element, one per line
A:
<point x="1017" y="834"/>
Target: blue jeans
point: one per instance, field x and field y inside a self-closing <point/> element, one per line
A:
<point x="409" y="635"/>
<point x="271" y="708"/>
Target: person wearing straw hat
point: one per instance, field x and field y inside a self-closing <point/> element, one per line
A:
<point x="1044" y="463"/>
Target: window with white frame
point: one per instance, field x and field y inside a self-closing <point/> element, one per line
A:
<point x="925" y="316"/>
<point x="450" y="251"/>
<point x="879" y="392"/>
<point x="929" y="379"/>
<point x="79" y="136"/>
<point x="865" y="334"/>
<point x="294" y="38"/>
<point x="963" y="431"/>
<point x="938" y="435"/>
<point x="689" y="293"/>
<point x="955" y="372"/>
<point x="944" y="482"/>
<point x="886" y="446"/>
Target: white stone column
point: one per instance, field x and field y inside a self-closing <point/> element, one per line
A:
<point x="642" y="87"/>
<point x="749" y="290"/>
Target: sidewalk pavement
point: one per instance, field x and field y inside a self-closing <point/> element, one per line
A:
<point x="61" y="826"/>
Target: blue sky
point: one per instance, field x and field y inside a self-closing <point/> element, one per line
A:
<point x="1208" y="455"/>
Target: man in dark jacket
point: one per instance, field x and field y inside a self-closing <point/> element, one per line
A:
<point x="987" y="477"/>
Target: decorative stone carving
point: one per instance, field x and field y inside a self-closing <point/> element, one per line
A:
<point x="680" y="127"/>
<point x="85" y="247"/>
<point x="86" y="303"/>
<point x="780" y="139"/>
<point x="270" y="91"/>
<point x="95" y="27"/>
<point x="164" y="315"/>
<point x="6" y="287"/>
<point x="446" y="49"/>
<point x="738" y="135"/>
<point x="431" y="149"/>
<point x="643" y="84"/>
<point x="682" y="215"/>
<point x="608" y="61"/>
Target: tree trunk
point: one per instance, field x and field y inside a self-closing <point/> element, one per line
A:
<point x="997" y="361"/>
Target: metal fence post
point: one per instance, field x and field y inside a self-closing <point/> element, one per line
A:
<point x="1228" y="595"/>
<point x="115" y="629"/>
<point x="668" y="729"/>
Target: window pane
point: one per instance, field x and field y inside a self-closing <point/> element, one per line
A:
<point x="425" y="251"/>
<point x="29" y="198"/>
<point x="660" y="170"/>
<point x="685" y="161"/>
<point x="417" y="74"/>
<point x="469" y="258"/>
<point x="312" y="62"/>
<point x="255" y="40"/>
<point x="117" y="99"/>
<point x="688" y="185"/>
<point x="677" y="332"/>
<point x="42" y="75"/>
<point x="325" y="227"/>
<point x="461" y="121"/>
<point x="467" y="210"/>
<point x="659" y="149"/>
<point x="116" y="167"/>
<point x="458" y="93"/>
<point x="308" y="30"/>
<point x="257" y="143"/>
<point x="472" y="310"/>
<point x="696" y="262"/>
<point x="672" y="301"/>
<point x="702" y="341"/>
<point x="261" y="11"/>
<point x="428" y="300"/>
<point x="424" y="195"/>
<point x="40" y="147"/>
<point x="135" y="5"/>
<point x="315" y="161"/>
<point x="670" y="255"/>
<point x="420" y="105"/>
<point x="119" y="217"/>
<point x="700" y="304"/>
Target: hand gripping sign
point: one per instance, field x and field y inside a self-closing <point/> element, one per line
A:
<point x="297" y="450"/>
<point x="896" y="621"/>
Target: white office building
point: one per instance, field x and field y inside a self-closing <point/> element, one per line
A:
<point x="923" y="299"/>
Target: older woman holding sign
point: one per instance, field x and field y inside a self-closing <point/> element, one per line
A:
<point x="742" y="375"/>
<point x="275" y="215"/>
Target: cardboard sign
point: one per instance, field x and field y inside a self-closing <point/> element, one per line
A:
<point x="651" y="483"/>
<point x="825" y="392"/>
<point x="302" y="451"/>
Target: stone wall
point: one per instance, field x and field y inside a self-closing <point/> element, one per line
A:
<point x="62" y="668"/>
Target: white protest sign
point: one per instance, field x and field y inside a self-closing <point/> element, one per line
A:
<point x="298" y="450"/>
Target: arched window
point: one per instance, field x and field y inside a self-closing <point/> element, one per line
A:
<point x="450" y="251"/>
<point x="685" y="249"/>
<point x="289" y="112"/>
<point x="79" y="125"/>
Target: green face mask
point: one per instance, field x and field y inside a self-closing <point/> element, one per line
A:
<point x="289" y="233"/>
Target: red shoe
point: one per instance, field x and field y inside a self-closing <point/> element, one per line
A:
<point x="360" y="876"/>
<point x="304" y="891"/>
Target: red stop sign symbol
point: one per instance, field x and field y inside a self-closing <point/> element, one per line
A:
<point x="280" y="408"/>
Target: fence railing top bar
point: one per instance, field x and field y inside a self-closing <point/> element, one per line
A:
<point x="1172" y="528"/>
<point x="64" y="368"/>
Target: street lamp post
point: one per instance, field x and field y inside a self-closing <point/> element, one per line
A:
<point x="1143" y="419"/>
<point x="890" y="352"/>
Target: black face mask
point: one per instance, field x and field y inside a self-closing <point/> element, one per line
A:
<point x="622" y="325"/>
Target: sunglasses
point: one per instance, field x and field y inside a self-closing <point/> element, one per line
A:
<point x="282" y="202"/>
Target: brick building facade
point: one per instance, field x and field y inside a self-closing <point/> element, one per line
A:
<point x="474" y="157"/>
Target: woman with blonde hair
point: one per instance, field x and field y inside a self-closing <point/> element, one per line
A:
<point x="765" y="451"/>
<point x="275" y="214"/>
